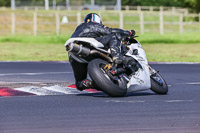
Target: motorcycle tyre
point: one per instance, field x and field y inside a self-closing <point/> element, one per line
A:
<point x="103" y="83"/>
<point x="155" y="87"/>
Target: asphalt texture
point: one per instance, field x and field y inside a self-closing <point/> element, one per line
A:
<point x="141" y="112"/>
<point x="35" y="72"/>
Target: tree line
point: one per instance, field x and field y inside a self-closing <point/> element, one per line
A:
<point x="194" y="5"/>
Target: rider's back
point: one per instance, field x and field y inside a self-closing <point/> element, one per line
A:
<point x="92" y="30"/>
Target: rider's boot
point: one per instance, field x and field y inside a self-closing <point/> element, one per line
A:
<point x="85" y="84"/>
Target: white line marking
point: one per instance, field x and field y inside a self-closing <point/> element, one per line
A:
<point x="168" y="101"/>
<point x="118" y="101"/>
<point x="176" y="101"/>
<point x="193" y="83"/>
<point x="31" y="74"/>
<point x="174" y="62"/>
<point x="189" y="83"/>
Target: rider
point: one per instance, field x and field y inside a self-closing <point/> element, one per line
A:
<point x="92" y="27"/>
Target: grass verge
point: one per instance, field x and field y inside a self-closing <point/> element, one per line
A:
<point x="192" y="38"/>
<point x="50" y="52"/>
<point x="32" y="52"/>
<point x="172" y="52"/>
<point x="165" y="48"/>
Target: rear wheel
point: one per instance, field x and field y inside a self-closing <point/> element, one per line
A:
<point x="117" y="88"/>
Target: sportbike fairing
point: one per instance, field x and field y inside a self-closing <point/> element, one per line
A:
<point x="140" y="80"/>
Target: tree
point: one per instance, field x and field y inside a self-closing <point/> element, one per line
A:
<point x="179" y="3"/>
<point x="194" y="4"/>
<point x="5" y="3"/>
<point x="197" y="5"/>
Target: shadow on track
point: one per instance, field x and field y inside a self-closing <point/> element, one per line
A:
<point x="130" y="94"/>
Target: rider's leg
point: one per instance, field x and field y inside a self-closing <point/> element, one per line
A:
<point x="115" y="46"/>
<point x="80" y="74"/>
<point x="105" y="40"/>
<point x="111" y="41"/>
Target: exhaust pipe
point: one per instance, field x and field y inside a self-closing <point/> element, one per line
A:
<point x="101" y="54"/>
<point x="83" y="51"/>
<point x="78" y="49"/>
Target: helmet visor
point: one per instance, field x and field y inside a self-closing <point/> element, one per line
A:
<point x="96" y="18"/>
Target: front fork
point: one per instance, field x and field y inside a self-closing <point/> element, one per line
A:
<point x="155" y="76"/>
<point x="152" y="71"/>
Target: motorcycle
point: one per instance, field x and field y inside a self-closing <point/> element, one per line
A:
<point x="115" y="78"/>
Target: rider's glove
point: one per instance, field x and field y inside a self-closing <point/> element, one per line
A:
<point x="132" y="33"/>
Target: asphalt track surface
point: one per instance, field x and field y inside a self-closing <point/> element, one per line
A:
<point x="141" y="112"/>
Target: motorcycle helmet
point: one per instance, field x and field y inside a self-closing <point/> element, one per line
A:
<point x="93" y="17"/>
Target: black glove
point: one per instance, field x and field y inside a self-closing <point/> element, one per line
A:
<point x="132" y="33"/>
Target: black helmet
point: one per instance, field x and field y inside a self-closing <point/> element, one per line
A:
<point x="93" y="17"/>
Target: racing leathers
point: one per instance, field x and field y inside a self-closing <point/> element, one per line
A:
<point x="109" y="37"/>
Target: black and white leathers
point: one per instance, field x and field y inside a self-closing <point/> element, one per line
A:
<point x="110" y="37"/>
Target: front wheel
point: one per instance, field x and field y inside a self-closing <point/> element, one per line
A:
<point x="158" y="84"/>
<point x="103" y="81"/>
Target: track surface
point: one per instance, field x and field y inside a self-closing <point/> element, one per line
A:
<point x="141" y="112"/>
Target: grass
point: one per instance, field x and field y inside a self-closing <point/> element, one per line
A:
<point x="170" y="38"/>
<point x="147" y="38"/>
<point x="50" y="47"/>
<point x="47" y="46"/>
<point x="164" y="48"/>
<point x="53" y="39"/>
<point x="172" y="52"/>
<point x="32" y="52"/>
<point x="52" y="52"/>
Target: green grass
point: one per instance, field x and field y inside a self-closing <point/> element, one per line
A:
<point x="48" y="46"/>
<point x="173" y="52"/>
<point x="56" y="52"/>
<point x="164" y="48"/>
<point x="186" y="38"/>
<point x="190" y="38"/>
<point x="32" y="52"/>
<point x="53" y="39"/>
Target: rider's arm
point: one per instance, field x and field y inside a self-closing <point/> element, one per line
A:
<point x="103" y="30"/>
<point x="106" y="30"/>
<point x="120" y="31"/>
